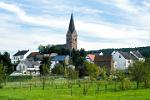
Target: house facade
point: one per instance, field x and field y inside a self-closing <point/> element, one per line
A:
<point x="28" y="68"/>
<point x="20" y="56"/>
<point x="122" y="60"/>
<point x="104" y="62"/>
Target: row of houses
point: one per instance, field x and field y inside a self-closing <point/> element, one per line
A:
<point x="117" y="60"/>
<point x="28" y="63"/>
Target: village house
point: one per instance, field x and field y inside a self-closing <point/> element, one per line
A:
<point x="20" y="56"/>
<point x="104" y="61"/>
<point x="27" y="67"/>
<point x="122" y="60"/>
<point x="60" y="59"/>
<point x="90" y="58"/>
<point x="35" y="56"/>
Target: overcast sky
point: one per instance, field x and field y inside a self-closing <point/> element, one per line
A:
<point x="25" y="24"/>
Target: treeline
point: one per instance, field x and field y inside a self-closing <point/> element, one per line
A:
<point x="145" y="51"/>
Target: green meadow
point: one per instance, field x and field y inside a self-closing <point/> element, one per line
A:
<point x="62" y="90"/>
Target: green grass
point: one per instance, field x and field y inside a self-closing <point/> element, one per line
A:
<point x="17" y="91"/>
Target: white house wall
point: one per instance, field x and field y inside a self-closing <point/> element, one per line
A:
<point x="21" y="67"/>
<point x="119" y="63"/>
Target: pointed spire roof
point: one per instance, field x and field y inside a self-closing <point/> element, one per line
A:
<point x="71" y="24"/>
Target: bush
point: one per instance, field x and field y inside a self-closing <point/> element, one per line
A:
<point x="125" y="84"/>
<point x="18" y="78"/>
<point x="1" y="86"/>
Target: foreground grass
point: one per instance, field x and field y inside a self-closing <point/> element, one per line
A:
<point x="59" y="90"/>
<point x="64" y="94"/>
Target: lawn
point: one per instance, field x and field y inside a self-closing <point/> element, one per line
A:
<point x="59" y="91"/>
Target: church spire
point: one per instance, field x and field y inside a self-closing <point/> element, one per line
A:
<point x="71" y="24"/>
<point x="71" y="37"/>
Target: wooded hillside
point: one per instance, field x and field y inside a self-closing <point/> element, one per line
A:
<point x="145" y="51"/>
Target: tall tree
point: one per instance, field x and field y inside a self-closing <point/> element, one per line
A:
<point x="137" y="72"/>
<point x="45" y="66"/>
<point x="92" y="70"/>
<point x="1" y="74"/>
<point x="146" y="77"/>
<point x="78" y="57"/>
<point x="5" y="58"/>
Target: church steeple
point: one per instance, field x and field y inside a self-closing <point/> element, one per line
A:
<point x="71" y="37"/>
<point x="71" y="24"/>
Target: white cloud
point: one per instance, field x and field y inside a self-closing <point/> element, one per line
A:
<point x="126" y="6"/>
<point x="127" y="36"/>
<point x="21" y="14"/>
<point x="110" y="32"/>
<point x="147" y="4"/>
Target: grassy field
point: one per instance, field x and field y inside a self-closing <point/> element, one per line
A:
<point x="58" y="90"/>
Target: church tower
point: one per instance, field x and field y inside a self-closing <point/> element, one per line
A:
<point x="71" y="37"/>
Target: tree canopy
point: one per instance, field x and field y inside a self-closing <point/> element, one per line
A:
<point x="5" y="59"/>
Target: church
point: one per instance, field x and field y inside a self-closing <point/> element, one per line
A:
<point x="71" y="36"/>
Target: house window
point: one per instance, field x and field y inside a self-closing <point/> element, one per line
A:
<point x="119" y="56"/>
<point x="75" y="40"/>
<point x="129" y="61"/>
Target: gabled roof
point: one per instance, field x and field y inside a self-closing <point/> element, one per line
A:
<point x="30" y="64"/>
<point x="19" y="53"/>
<point x="91" y="56"/>
<point x="33" y="54"/>
<point x="59" y="58"/>
<point x="127" y="55"/>
<point x="137" y="54"/>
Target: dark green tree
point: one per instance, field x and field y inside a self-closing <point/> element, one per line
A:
<point x="59" y="69"/>
<point x="78" y="57"/>
<point x="45" y="66"/>
<point x="1" y="74"/>
<point x="5" y="58"/>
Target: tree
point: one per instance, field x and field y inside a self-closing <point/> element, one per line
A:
<point x="124" y="82"/>
<point x="78" y="59"/>
<point x="72" y="73"/>
<point x="59" y="69"/>
<point x="1" y="74"/>
<point x="53" y="49"/>
<point x="137" y="72"/>
<point x="45" y="69"/>
<point x="92" y="70"/>
<point x="45" y="66"/>
<point x="44" y="49"/>
<point x="146" y="77"/>
<point x="104" y="76"/>
<point x="5" y="58"/>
